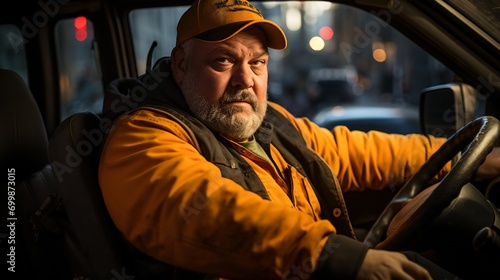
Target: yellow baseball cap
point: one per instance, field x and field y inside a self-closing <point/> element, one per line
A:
<point x="219" y="20"/>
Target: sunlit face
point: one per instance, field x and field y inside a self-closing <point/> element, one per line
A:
<point x="225" y="84"/>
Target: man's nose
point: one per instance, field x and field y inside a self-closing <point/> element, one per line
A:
<point x="242" y="77"/>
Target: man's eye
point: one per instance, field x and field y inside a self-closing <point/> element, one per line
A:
<point x="259" y="63"/>
<point x="222" y="60"/>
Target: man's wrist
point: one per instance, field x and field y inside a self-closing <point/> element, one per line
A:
<point x="341" y="258"/>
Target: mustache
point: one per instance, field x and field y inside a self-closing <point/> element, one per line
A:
<point x="239" y="96"/>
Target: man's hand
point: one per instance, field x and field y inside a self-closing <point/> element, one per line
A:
<point x="491" y="166"/>
<point x="379" y="264"/>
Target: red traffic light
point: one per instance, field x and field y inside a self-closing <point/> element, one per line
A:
<point x="80" y="28"/>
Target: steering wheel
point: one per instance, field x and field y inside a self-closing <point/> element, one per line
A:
<point x="478" y="137"/>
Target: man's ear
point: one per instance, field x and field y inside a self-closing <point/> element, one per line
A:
<point x="178" y="64"/>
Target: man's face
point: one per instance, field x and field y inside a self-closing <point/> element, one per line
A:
<point x="225" y="84"/>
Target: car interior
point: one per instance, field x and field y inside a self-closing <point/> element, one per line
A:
<point x="59" y="220"/>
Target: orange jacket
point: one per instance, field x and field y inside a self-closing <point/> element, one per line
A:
<point x="174" y="205"/>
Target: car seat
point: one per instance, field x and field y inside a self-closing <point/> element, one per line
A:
<point x="60" y="225"/>
<point x="33" y="240"/>
<point x="73" y="153"/>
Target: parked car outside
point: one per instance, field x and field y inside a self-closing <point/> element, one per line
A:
<point x="390" y="119"/>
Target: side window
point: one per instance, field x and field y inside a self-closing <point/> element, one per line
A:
<point x="79" y="77"/>
<point x="149" y="25"/>
<point x="12" y="53"/>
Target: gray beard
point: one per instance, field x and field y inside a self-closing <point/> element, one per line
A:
<point x="220" y="117"/>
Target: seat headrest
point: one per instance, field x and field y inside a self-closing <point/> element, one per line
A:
<point x="23" y="141"/>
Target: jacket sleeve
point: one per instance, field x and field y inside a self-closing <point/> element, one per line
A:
<point x="369" y="160"/>
<point x="173" y="205"/>
<point x="341" y="258"/>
